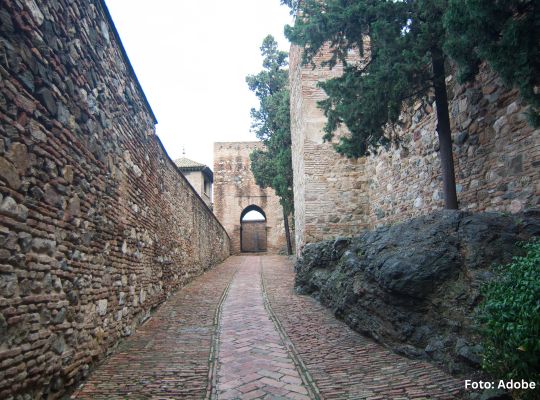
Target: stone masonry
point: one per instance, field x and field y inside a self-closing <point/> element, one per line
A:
<point x="496" y="154"/>
<point x="330" y="191"/>
<point x="235" y="189"/>
<point x="98" y="226"/>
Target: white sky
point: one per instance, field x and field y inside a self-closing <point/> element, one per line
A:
<point x="253" y="215"/>
<point x="191" y="58"/>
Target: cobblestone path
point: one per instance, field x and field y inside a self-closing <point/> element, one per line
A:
<point x="344" y="364"/>
<point x="253" y="361"/>
<point x="167" y="358"/>
<point x="240" y="332"/>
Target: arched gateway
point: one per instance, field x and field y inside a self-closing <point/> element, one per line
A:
<point x="252" y="230"/>
<point x="236" y="194"/>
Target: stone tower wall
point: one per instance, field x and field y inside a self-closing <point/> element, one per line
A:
<point x="330" y="191"/>
<point x="496" y="153"/>
<point x="97" y="225"/>
<point x="235" y="189"/>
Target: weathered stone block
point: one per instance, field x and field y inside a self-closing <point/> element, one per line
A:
<point x="9" y="174"/>
<point x="18" y="154"/>
<point x="47" y="99"/>
<point x="35" y="11"/>
<point x="8" y="285"/>
<point x="47" y="246"/>
<point x="101" y="307"/>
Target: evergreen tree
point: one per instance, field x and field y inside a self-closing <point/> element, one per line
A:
<point x="406" y="61"/>
<point x="272" y="167"/>
<point x="409" y="42"/>
<point x="504" y="33"/>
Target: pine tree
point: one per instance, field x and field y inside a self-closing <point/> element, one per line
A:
<point x="406" y="61"/>
<point x="410" y="42"/>
<point x="272" y="167"/>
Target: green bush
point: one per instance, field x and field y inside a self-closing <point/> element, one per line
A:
<point x="510" y="315"/>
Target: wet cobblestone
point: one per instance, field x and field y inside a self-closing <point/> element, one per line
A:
<point x="344" y="364"/>
<point x="253" y="360"/>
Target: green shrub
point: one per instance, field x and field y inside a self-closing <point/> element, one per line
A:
<point x="510" y="315"/>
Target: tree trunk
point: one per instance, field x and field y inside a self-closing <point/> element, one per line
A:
<point x="287" y="232"/>
<point x="443" y="130"/>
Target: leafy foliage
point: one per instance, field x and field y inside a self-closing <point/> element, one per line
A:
<point x="272" y="167"/>
<point x="504" y="33"/>
<point x="511" y="317"/>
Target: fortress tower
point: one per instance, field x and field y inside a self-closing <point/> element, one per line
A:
<point x="236" y="194"/>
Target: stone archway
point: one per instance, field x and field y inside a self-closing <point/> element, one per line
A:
<point x="235" y="189"/>
<point x="253" y="234"/>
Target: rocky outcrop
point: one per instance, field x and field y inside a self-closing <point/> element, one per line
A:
<point x="415" y="286"/>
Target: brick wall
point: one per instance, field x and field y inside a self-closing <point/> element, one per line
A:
<point x="97" y="224"/>
<point x="235" y="189"/>
<point x="497" y="157"/>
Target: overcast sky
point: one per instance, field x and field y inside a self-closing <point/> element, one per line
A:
<point x="191" y="58"/>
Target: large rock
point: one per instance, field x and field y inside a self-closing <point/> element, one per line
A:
<point x="415" y="286"/>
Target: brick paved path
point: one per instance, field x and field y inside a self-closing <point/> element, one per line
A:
<point x="344" y="364"/>
<point x="167" y="358"/>
<point x="253" y="361"/>
<point x="240" y="332"/>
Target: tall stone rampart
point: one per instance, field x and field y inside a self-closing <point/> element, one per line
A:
<point x="496" y="153"/>
<point x="235" y="190"/>
<point x="97" y="224"/>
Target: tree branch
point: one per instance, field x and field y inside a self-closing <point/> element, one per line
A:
<point x="416" y="93"/>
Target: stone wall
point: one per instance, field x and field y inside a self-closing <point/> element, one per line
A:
<point x="97" y="224"/>
<point x="235" y="190"/>
<point x="497" y="157"/>
<point x="330" y="191"/>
